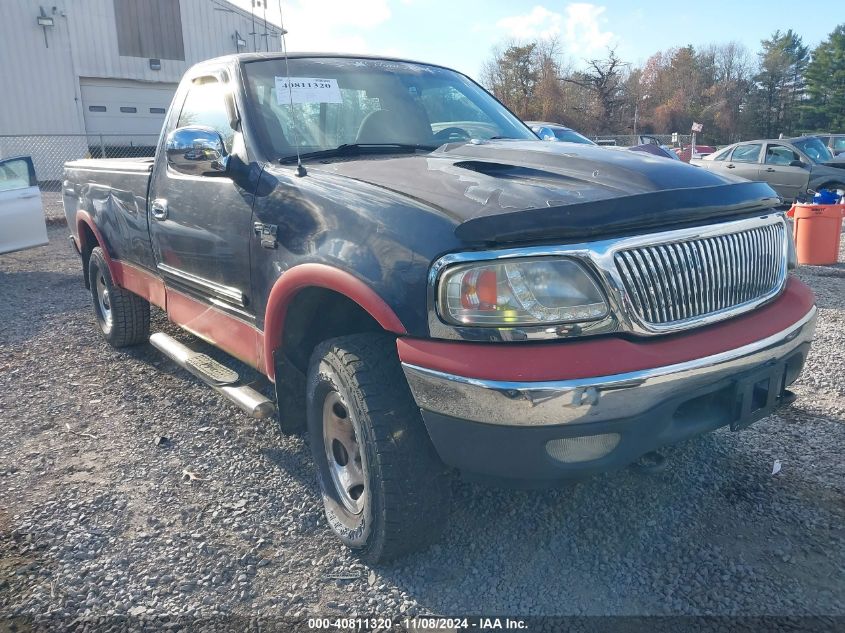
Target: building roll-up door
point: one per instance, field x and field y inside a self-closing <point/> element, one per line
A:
<point x="124" y="113"/>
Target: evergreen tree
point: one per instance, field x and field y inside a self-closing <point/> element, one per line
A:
<point x="825" y="76"/>
<point x="780" y="84"/>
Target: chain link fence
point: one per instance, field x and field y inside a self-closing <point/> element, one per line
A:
<point x="627" y="140"/>
<point x="51" y="151"/>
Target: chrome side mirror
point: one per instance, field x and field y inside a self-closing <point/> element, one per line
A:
<point x="198" y="151"/>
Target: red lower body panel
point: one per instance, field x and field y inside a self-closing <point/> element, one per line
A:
<point x="236" y="337"/>
<point x="141" y="282"/>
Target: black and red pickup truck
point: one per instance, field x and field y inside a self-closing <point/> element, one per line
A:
<point x="431" y="288"/>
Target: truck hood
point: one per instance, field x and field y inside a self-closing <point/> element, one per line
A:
<point x="514" y="190"/>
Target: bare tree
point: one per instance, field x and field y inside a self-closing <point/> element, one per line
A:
<point x="604" y="78"/>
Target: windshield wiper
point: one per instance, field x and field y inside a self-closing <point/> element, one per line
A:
<point x="356" y="149"/>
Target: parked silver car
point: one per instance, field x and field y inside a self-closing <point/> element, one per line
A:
<point x="790" y="166"/>
<point x="557" y="132"/>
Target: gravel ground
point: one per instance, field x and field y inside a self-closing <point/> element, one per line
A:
<point x="97" y="519"/>
<point x="53" y="210"/>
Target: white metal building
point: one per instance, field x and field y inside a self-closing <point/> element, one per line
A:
<point x="109" y="67"/>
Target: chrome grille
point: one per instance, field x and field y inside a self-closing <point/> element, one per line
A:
<point x="676" y="281"/>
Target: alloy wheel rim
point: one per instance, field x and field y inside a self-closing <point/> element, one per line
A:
<point x="343" y="454"/>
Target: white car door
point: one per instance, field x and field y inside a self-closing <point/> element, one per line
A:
<point x="22" y="223"/>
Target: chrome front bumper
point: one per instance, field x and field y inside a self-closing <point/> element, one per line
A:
<point x="598" y="399"/>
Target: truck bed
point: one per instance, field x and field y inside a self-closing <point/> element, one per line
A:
<point x="139" y="165"/>
<point x="113" y="192"/>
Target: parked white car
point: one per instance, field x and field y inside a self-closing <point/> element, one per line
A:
<point x="22" y="223"/>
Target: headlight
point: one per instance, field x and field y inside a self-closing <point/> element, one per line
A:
<point x="524" y="291"/>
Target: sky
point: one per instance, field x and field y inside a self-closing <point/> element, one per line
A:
<point x="461" y="33"/>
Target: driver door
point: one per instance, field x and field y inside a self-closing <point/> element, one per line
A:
<point x="201" y="222"/>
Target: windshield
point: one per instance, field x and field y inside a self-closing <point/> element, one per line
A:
<point x="814" y="149"/>
<point x="570" y="136"/>
<point x="339" y="102"/>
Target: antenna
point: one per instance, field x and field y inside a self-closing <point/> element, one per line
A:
<point x="300" y="170"/>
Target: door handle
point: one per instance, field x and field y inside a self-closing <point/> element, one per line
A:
<point x="23" y="196"/>
<point x="158" y="208"/>
<point x="770" y="169"/>
<point x="730" y="167"/>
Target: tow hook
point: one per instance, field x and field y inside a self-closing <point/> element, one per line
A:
<point x="650" y="464"/>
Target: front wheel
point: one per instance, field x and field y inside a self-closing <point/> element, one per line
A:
<point x="385" y="491"/>
<point x="123" y="317"/>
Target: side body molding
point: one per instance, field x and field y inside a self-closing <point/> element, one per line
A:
<point x="320" y="276"/>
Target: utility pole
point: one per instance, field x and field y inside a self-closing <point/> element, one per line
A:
<point x="252" y="13"/>
<point x="266" y="42"/>
<point x="636" y="111"/>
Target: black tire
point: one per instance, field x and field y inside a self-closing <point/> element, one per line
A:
<point x="123" y="317"/>
<point x="833" y="186"/>
<point x="407" y="489"/>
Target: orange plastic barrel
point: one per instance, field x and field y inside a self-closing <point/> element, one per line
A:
<point x="818" y="228"/>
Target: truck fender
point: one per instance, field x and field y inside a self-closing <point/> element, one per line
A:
<point x="319" y="276"/>
<point x="84" y="220"/>
<point x="132" y="278"/>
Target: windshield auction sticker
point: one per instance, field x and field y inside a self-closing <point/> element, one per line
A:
<point x="307" y="90"/>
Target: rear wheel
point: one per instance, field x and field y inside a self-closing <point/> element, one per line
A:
<point x="385" y="491"/>
<point x="123" y="317"/>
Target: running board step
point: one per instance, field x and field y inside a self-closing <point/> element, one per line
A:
<point x="216" y="375"/>
<point x="210" y="370"/>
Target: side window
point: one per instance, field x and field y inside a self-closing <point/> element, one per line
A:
<point x="15" y="174"/>
<point x="722" y="155"/>
<point x="746" y="153"/>
<point x="780" y="155"/>
<point x="205" y="105"/>
<point x="839" y="143"/>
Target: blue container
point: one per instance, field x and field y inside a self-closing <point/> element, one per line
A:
<point x="825" y="196"/>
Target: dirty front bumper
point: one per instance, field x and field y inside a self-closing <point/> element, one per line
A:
<point x="553" y="429"/>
